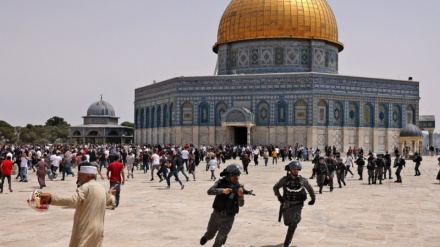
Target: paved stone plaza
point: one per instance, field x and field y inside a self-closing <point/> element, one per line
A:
<point x="359" y="214"/>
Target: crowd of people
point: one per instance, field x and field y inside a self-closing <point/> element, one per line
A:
<point x="167" y="161"/>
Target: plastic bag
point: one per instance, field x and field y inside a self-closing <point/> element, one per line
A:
<point x="35" y="202"/>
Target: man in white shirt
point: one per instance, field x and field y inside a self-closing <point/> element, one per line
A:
<point x="155" y="158"/>
<point x="256" y="154"/>
<point x="185" y="154"/>
<point x="56" y="161"/>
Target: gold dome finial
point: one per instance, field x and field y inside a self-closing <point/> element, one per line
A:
<point x="273" y="19"/>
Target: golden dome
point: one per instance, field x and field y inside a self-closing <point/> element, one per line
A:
<point x="269" y="19"/>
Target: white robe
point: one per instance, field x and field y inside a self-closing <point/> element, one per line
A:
<point x="88" y="222"/>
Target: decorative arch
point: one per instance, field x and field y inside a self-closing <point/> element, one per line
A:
<point x="76" y="133"/>
<point x="147" y="118"/>
<point x="338" y="114"/>
<point x="353" y="114"/>
<point x="396" y="116"/>
<point x="165" y="115"/>
<point x="136" y="119"/>
<point x="187" y="113"/>
<point x="153" y="111"/>
<point x="93" y="133"/>
<point x="410" y="115"/>
<point x="113" y="133"/>
<point x="368" y="115"/>
<point x="204" y="113"/>
<point x="220" y="110"/>
<point x="263" y="113"/>
<point x="171" y="114"/>
<point x="300" y="114"/>
<point x="322" y="112"/>
<point x="282" y="112"/>
<point x="158" y="117"/>
<point x="142" y="118"/>
<point x="383" y="116"/>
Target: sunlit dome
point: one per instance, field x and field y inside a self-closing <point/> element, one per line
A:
<point x="277" y="19"/>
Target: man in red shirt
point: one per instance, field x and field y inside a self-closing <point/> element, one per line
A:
<point x="6" y="168"/>
<point x="115" y="173"/>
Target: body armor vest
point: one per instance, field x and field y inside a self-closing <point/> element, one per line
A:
<point x="294" y="190"/>
<point x="226" y="203"/>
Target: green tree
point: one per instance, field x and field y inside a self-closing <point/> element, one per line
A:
<point x="56" y="121"/>
<point x="127" y="124"/>
<point x="7" y="133"/>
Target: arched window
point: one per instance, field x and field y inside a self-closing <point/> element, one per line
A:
<point x="136" y="119"/>
<point x="410" y="115"/>
<point x="142" y="118"/>
<point x="263" y="114"/>
<point x="147" y="117"/>
<point x="300" y="115"/>
<point x="171" y="114"/>
<point x="353" y="114"/>
<point x="368" y="115"/>
<point x="322" y="112"/>
<point x="187" y="113"/>
<point x="282" y="112"/>
<point x="165" y="115"/>
<point x="204" y="113"/>
<point x="396" y="117"/>
<point x="383" y="116"/>
<point x="158" y="119"/>
<point x="338" y="114"/>
<point x="153" y="111"/>
<point x="220" y="110"/>
<point x="76" y="133"/>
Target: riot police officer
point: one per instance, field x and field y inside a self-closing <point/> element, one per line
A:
<point x="228" y="194"/>
<point x="399" y="162"/>
<point x="380" y="164"/>
<point x="331" y="166"/>
<point x="371" y="166"/>
<point x="387" y="167"/>
<point x="321" y="173"/>
<point x="294" y="194"/>
<point x="417" y="159"/>
<point x="360" y="163"/>
<point x="340" y="172"/>
<point x="315" y="162"/>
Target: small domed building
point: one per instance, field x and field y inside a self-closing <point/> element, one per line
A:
<point x="100" y="126"/>
<point x="277" y="83"/>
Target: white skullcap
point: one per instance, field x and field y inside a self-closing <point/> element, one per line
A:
<point x="89" y="170"/>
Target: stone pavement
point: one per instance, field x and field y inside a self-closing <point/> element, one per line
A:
<point x="359" y="214"/>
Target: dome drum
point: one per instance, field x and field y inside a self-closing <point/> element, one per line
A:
<point x="277" y="56"/>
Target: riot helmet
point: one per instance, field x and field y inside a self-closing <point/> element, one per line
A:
<point x="295" y="164"/>
<point x="232" y="169"/>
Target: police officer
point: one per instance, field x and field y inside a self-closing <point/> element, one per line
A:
<point x="228" y="194"/>
<point x="360" y="163"/>
<point x="331" y="166"/>
<point x="315" y="162"/>
<point x="380" y="164"/>
<point x="321" y="173"/>
<point x="417" y="159"/>
<point x="340" y="172"/>
<point x="387" y="167"/>
<point x="371" y="166"/>
<point x="294" y="194"/>
<point x="399" y="162"/>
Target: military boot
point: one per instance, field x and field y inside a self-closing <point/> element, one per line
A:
<point x="320" y="189"/>
<point x="289" y="237"/>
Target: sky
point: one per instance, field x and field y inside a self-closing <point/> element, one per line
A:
<point x="58" y="57"/>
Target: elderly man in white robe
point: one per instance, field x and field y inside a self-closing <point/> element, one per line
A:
<point x="90" y="201"/>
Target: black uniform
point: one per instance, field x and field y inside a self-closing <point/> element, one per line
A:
<point x="360" y="163"/>
<point x="293" y="198"/>
<point x="417" y="158"/>
<point x="371" y="166"/>
<point x="399" y="162"/>
<point x="380" y="164"/>
<point x="331" y="166"/>
<point x="340" y="173"/>
<point x="322" y="172"/>
<point x="387" y="167"/>
<point x="225" y="208"/>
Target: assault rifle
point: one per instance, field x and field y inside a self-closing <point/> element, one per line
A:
<point x="236" y="187"/>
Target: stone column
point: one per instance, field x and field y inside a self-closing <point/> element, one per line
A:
<point x="431" y="138"/>
<point x="248" y="134"/>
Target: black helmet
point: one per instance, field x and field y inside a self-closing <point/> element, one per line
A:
<point x="295" y="164"/>
<point x="232" y="169"/>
